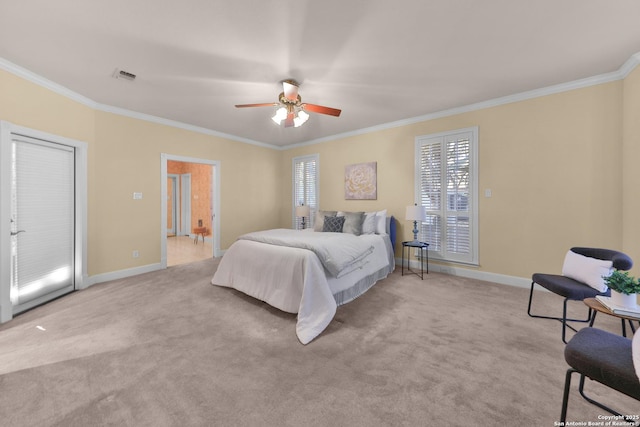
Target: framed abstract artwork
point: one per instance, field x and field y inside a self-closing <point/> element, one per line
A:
<point x="360" y="181"/>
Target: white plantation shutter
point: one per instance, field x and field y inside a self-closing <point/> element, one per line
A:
<point x="431" y="194"/>
<point x="458" y="180"/>
<point x="305" y="188"/>
<point x="446" y="184"/>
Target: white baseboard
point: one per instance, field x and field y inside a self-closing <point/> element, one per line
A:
<point x="120" y="274"/>
<point x="502" y="279"/>
<point x="470" y="273"/>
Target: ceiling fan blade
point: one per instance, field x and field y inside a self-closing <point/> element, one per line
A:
<point x="290" y="90"/>
<point x="288" y="122"/>
<point x="322" y="110"/>
<point x="266" y="104"/>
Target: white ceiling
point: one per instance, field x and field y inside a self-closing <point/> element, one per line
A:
<point x="380" y="61"/>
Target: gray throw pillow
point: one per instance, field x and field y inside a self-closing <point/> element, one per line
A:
<point x="318" y="225"/>
<point x="333" y="224"/>
<point x="353" y="223"/>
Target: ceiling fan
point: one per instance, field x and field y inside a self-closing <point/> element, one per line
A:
<point x="292" y="110"/>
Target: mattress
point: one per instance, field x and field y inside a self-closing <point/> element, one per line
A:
<point x="294" y="279"/>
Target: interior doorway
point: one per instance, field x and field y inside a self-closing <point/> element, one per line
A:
<point x="190" y="209"/>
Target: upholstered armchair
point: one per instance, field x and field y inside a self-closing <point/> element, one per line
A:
<point x="581" y="278"/>
<point x="610" y="359"/>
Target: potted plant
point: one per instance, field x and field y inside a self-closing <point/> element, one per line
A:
<point x="624" y="288"/>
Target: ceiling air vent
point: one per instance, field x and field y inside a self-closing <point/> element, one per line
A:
<point x="121" y="74"/>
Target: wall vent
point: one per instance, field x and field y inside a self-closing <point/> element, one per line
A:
<point x="121" y="74"/>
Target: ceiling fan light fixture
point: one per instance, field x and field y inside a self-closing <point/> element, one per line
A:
<point x="290" y="108"/>
<point x="300" y="118"/>
<point x="281" y="114"/>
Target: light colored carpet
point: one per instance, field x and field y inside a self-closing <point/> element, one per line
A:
<point x="169" y="349"/>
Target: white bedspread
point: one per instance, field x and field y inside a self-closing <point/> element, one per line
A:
<point x="295" y="281"/>
<point x="339" y="253"/>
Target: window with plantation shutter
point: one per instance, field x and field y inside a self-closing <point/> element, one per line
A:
<point x="305" y="188"/>
<point x="446" y="185"/>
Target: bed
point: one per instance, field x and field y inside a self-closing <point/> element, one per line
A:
<point x="310" y="272"/>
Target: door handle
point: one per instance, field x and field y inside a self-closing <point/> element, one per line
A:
<point x="15" y="233"/>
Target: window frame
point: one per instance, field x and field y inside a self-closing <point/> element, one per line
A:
<point x="441" y="138"/>
<point x="313" y="205"/>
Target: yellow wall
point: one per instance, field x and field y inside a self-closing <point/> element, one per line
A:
<point x="124" y="157"/>
<point x="26" y="104"/>
<point x="129" y="161"/>
<point x="551" y="162"/>
<point x="631" y="168"/>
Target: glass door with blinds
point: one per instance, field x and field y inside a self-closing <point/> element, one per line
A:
<point x="42" y="221"/>
<point x="446" y="185"/>
<point x="305" y="188"/>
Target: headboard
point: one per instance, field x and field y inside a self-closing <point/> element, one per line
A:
<point x="392" y="231"/>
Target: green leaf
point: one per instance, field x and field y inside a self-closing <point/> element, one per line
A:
<point x="621" y="281"/>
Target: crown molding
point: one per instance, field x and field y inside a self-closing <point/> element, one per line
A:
<point x="179" y="125"/>
<point x="45" y="83"/>
<point x="619" y="74"/>
<point x="630" y="65"/>
<point x="68" y="93"/>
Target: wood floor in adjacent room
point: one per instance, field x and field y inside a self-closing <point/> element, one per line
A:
<point x="184" y="250"/>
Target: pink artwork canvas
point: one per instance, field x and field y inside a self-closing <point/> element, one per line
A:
<point x="360" y="181"/>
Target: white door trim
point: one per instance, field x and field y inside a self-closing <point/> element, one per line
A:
<point x="185" y="204"/>
<point x="215" y="222"/>
<point x="81" y="279"/>
<point x="175" y="195"/>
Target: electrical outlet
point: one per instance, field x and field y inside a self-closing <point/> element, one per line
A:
<point x="137" y="196"/>
<point x="136" y="254"/>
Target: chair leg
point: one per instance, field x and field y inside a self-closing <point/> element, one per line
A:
<point x="601" y="405"/>
<point x="530" y="298"/>
<point x="565" y="396"/>
<point x="562" y="319"/>
<point x="624" y="327"/>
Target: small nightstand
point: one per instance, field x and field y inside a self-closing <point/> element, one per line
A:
<point x="424" y="249"/>
<point x="199" y="231"/>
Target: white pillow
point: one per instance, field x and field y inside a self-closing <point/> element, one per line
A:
<point x="381" y="222"/>
<point x="635" y="352"/>
<point x="369" y="223"/>
<point x="587" y="270"/>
